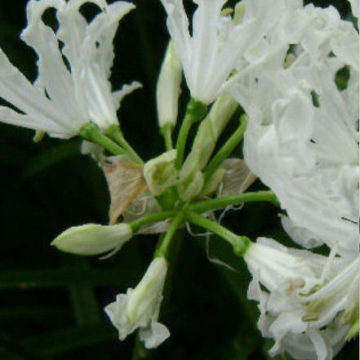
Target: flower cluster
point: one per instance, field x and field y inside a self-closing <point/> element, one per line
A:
<point x="283" y="64"/>
<point x="303" y="142"/>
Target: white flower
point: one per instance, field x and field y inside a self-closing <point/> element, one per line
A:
<point x="302" y="139"/>
<point x="217" y="42"/>
<point x="93" y="239"/>
<point x="309" y="157"/>
<point x="307" y="302"/>
<point x="140" y="307"/>
<point x="66" y="94"/>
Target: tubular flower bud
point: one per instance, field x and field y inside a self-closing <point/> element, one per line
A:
<point x="93" y="239"/>
<point x="168" y="87"/>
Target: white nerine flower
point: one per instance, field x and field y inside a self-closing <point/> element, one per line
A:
<point x="308" y="312"/>
<point x="65" y="95"/>
<point x="139" y="308"/>
<point x="302" y="140"/>
<point x="217" y="42"/>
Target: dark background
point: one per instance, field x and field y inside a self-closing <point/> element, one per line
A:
<point x="51" y="303"/>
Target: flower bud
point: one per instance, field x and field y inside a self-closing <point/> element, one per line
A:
<point x="191" y="178"/>
<point x="355" y="7"/>
<point x="168" y="87"/>
<point x="191" y="186"/>
<point x="93" y="239"/>
<point x="211" y="128"/>
<point x="139" y="307"/>
<point x="160" y="172"/>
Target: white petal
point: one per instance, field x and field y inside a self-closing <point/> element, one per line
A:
<point x="154" y="335"/>
<point x="274" y="266"/>
<point x="17" y="90"/>
<point x="98" y="40"/>
<point x="355" y="7"/>
<point x="126" y="89"/>
<point x="205" y="46"/>
<point x="178" y="26"/>
<point x="9" y="116"/>
<point x="53" y="74"/>
<point x="300" y="235"/>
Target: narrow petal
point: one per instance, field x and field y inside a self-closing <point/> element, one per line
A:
<point x="126" y="89"/>
<point x="17" y="90"/>
<point x="205" y="45"/>
<point x="154" y="335"/>
<point x="178" y="27"/>
<point x="98" y="42"/>
<point x="53" y="74"/>
<point x="9" y="116"/>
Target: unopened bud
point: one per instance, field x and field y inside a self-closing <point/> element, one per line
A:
<point x="191" y="178"/>
<point x="93" y="239"/>
<point x="160" y="173"/>
<point x="239" y="12"/>
<point x="168" y="87"/>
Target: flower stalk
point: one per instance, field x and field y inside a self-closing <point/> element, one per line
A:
<point x="195" y="111"/>
<point x="164" y="244"/>
<point x="91" y="132"/>
<point x="114" y="133"/>
<point x="214" y="204"/>
<point x="154" y="217"/>
<point x="166" y="131"/>
<point x="239" y="243"/>
<point x="226" y="149"/>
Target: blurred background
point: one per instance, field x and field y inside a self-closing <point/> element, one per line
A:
<point x="51" y="304"/>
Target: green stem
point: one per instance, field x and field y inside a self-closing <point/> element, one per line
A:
<point x="114" y="132"/>
<point x="226" y="149"/>
<point x="213" y="204"/>
<point x="91" y="132"/>
<point x="166" y="131"/>
<point x="163" y="248"/>
<point x="239" y="243"/>
<point x="195" y="111"/>
<point x="158" y="216"/>
<point x="139" y="351"/>
<point x="168" y="198"/>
